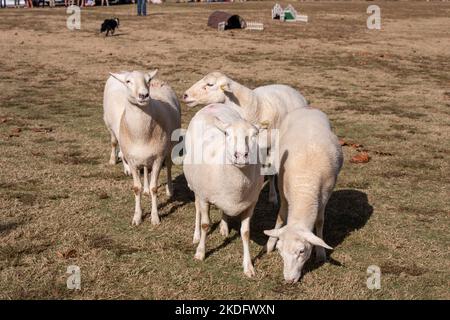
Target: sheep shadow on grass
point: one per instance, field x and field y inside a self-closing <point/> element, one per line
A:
<point x="347" y="210"/>
<point x="182" y="195"/>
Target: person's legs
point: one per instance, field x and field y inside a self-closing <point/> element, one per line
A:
<point x="139" y="4"/>
<point x="144" y="9"/>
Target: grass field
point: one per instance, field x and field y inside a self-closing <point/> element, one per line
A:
<point x="61" y="204"/>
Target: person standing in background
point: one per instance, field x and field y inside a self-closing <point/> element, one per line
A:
<point x="107" y="2"/>
<point x="142" y="7"/>
<point x="2" y="3"/>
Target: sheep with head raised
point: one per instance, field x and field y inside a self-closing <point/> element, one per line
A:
<point x="114" y="100"/>
<point x="310" y="161"/>
<point x="221" y="168"/>
<point x="144" y="134"/>
<point x="263" y="105"/>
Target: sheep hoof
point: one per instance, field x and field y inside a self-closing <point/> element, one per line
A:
<point x="136" y="221"/>
<point x="249" y="271"/>
<point x="199" y="256"/>
<point x="156" y="221"/>
<point x="224" y="231"/>
<point x="169" y="191"/>
<point x="147" y="192"/>
<point x="274" y="201"/>
<point x="112" y="162"/>
<point x="196" y="239"/>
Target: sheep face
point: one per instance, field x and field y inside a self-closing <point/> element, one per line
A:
<point x="241" y="140"/>
<point x="137" y="84"/>
<point x="295" y="245"/>
<point x="210" y="89"/>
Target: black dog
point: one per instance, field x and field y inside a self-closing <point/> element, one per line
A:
<point x="109" y="25"/>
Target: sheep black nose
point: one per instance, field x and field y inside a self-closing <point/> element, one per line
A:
<point x="143" y="96"/>
<point x="238" y="154"/>
<point x="185" y="96"/>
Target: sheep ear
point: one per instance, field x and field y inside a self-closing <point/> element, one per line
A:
<point x="222" y="126"/>
<point x="315" y="240"/>
<point x="151" y="74"/>
<point x="120" y="76"/>
<point x="275" y="233"/>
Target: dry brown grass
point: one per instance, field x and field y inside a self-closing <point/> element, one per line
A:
<point x="61" y="204"/>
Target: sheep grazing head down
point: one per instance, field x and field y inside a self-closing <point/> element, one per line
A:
<point x="138" y="85"/>
<point x="241" y="142"/>
<point x="210" y="89"/>
<point x="295" y="245"/>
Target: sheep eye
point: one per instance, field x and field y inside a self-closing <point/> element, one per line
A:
<point x="128" y="81"/>
<point x="302" y="251"/>
<point x="209" y="84"/>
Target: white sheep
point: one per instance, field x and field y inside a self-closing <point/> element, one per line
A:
<point x="221" y="168"/>
<point x="114" y="101"/>
<point x="145" y="129"/>
<point x="310" y="161"/>
<point x="264" y="106"/>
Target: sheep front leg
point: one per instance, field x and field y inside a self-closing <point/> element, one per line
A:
<point x="245" y="235"/>
<point x="204" y="212"/>
<point x="281" y="220"/>
<point x="156" y="169"/>
<point x="198" y="221"/>
<point x="169" y="186"/>
<point x="137" y="188"/>
<point x="224" y="229"/>
<point x="320" y="251"/>
<point x="146" y="183"/>
<point x="113" y="156"/>
<point x="273" y="198"/>
<point x="126" y="167"/>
